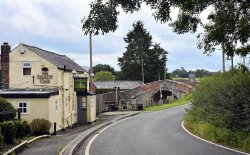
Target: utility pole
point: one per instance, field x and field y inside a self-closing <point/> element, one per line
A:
<point x="142" y="70"/>
<point x="223" y="59"/>
<point x="244" y="60"/>
<point x="165" y="61"/>
<point x="90" y="57"/>
<point x="232" y="62"/>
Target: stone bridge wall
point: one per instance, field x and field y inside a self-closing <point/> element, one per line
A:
<point x="144" y="93"/>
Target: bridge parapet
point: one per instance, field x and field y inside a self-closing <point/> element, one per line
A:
<point x="143" y="94"/>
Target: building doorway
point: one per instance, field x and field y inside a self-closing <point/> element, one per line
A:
<point x="82" y="109"/>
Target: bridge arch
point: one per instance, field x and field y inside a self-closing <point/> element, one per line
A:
<point x="143" y="95"/>
<point x="163" y="95"/>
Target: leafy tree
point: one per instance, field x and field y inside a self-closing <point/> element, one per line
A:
<point x="200" y="73"/>
<point x="140" y="52"/>
<point x="6" y="106"/>
<point x="119" y="75"/>
<point x="228" y="17"/>
<point x="101" y="67"/>
<point x="182" y="73"/>
<point x="104" y="76"/>
<point x="228" y="25"/>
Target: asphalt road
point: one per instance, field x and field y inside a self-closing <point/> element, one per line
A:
<point x="158" y="133"/>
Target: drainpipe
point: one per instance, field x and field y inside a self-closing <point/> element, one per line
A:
<point x="62" y="76"/>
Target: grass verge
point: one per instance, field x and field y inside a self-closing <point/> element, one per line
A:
<point x="236" y="140"/>
<point x="186" y="99"/>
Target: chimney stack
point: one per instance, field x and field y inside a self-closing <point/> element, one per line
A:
<point x="5" y="50"/>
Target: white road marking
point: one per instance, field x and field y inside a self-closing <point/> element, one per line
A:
<point x="183" y="127"/>
<point x="97" y="134"/>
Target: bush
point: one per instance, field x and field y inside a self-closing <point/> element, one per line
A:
<point x="6" y="106"/>
<point x="23" y="129"/>
<point x="224" y="101"/>
<point x="8" y="131"/>
<point x="1" y="137"/>
<point x="40" y="126"/>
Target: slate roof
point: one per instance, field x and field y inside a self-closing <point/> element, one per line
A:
<point x="56" y="59"/>
<point x="29" y="93"/>
<point x="122" y="84"/>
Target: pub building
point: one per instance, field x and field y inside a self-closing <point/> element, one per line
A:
<point x="46" y="85"/>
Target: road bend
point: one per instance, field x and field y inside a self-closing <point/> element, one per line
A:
<point x="158" y="133"/>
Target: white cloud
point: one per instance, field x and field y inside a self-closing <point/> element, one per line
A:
<point x="57" y="25"/>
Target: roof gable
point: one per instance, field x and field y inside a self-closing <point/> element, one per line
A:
<point x="56" y="59"/>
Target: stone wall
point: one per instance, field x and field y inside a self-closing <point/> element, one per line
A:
<point x="144" y="93"/>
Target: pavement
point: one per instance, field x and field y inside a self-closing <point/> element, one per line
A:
<point x="158" y="133"/>
<point x="56" y="143"/>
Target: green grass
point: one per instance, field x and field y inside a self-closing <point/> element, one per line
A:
<point x="196" y="79"/>
<point x="233" y="139"/>
<point x="185" y="100"/>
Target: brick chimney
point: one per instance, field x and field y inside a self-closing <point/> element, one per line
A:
<point x="5" y="50"/>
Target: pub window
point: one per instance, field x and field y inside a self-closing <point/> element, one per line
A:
<point x="26" y="68"/>
<point x="23" y="107"/>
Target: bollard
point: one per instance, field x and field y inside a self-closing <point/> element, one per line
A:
<point x="54" y="128"/>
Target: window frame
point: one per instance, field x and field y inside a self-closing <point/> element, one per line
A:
<point x="22" y="107"/>
<point x="27" y="67"/>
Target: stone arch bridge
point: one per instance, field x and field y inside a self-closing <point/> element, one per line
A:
<point x="145" y="95"/>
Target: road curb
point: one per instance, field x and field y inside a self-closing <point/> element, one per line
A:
<point x="183" y="127"/>
<point x="25" y="143"/>
<point x="75" y="143"/>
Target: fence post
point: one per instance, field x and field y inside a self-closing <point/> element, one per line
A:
<point x="19" y="113"/>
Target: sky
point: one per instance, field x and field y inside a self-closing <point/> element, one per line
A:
<point x="55" y="25"/>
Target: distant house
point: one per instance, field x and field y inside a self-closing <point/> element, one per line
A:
<point x="42" y="84"/>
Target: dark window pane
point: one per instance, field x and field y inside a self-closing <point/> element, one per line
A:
<point x="20" y="105"/>
<point x="26" y="71"/>
<point x="24" y="110"/>
<point x="24" y="105"/>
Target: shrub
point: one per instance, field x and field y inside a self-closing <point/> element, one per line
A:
<point x="40" y="126"/>
<point x="224" y="101"/>
<point x="1" y="137"/>
<point x="6" y="106"/>
<point x="23" y="129"/>
<point x="8" y="131"/>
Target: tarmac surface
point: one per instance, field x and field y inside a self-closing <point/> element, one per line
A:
<point x="158" y="133"/>
<point x="54" y="144"/>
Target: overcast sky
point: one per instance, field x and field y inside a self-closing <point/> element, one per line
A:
<point x="55" y="25"/>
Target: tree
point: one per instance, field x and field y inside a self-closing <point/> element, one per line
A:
<point x="6" y="106"/>
<point x="182" y="73"/>
<point x="104" y="76"/>
<point x="141" y="56"/>
<point x="228" y="26"/>
<point x="200" y="73"/>
<point x="231" y="16"/>
<point x="101" y="67"/>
